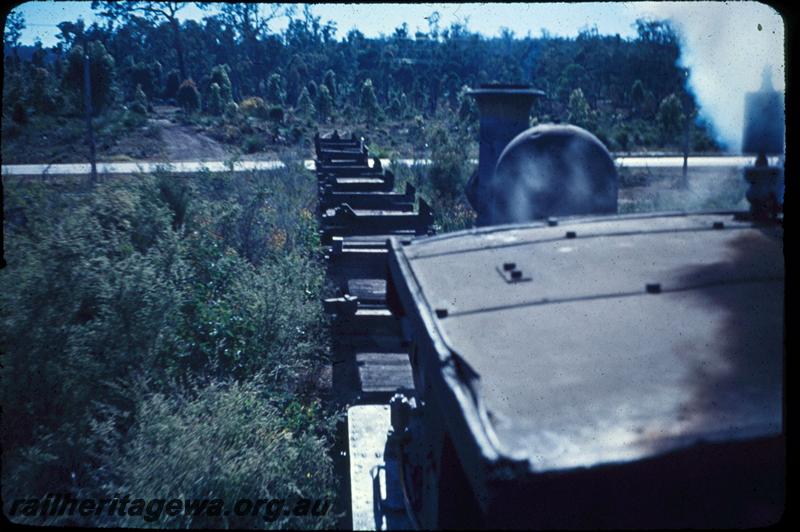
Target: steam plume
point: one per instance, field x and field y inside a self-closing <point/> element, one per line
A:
<point x="726" y="46"/>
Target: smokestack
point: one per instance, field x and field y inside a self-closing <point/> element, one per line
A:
<point x="504" y="114"/>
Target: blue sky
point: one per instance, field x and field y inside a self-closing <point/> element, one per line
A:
<point x="564" y="19"/>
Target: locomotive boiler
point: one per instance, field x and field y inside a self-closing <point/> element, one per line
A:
<point x="560" y="365"/>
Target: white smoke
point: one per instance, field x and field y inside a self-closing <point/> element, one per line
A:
<point x="726" y="45"/>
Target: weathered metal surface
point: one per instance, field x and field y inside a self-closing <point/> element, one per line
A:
<point x="504" y="114"/>
<point x="367" y="322"/>
<point x="334" y="160"/>
<point x="363" y="184"/>
<point x="765" y="192"/>
<point x="347" y="212"/>
<point x="324" y="176"/>
<point x="354" y="242"/>
<point x="324" y="150"/>
<point x="373" y="480"/>
<point x="371" y="207"/>
<point x="357" y="212"/>
<point x="384" y="373"/>
<point x="370" y="200"/>
<point x="335" y="141"/>
<point x="328" y="234"/>
<point x="344" y="306"/>
<point x="364" y="263"/>
<point x="347" y="168"/>
<point x="551" y="170"/>
<point x="584" y="366"/>
<point x="367" y="428"/>
<point x="348" y="221"/>
<point x="368" y="290"/>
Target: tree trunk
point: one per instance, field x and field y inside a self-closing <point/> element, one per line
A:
<point x="179" y="48"/>
<point x="685" y="146"/>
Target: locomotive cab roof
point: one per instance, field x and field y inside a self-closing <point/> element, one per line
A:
<point x="597" y="340"/>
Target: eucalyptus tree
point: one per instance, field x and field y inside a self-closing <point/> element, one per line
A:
<point x="151" y="11"/>
<point x="250" y="23"/>
<point x="15" y="23"/>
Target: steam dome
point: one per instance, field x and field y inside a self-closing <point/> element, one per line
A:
<point x="552" y="170"/>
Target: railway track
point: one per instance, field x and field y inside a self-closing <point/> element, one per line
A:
<point x="359" y="209"/>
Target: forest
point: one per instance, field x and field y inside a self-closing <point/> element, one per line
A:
<point x="257" y="89"/>
<point x="164" y="335"/>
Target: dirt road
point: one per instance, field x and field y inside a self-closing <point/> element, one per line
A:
<point x="182" y="142"/>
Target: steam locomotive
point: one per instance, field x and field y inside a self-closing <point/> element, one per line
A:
<point x="560" y="365"/>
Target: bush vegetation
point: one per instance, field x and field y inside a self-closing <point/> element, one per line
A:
<point x="101" y="74"/>
<point x="254" y="106"/>
<point x="630" y="92"/>
<point x="188" y="96"/>
<point x="164" y="337"/>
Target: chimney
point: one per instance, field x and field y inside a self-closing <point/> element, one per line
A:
<point x="504" y="115"/>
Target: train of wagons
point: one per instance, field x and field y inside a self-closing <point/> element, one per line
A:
<point x="559" y="365"/>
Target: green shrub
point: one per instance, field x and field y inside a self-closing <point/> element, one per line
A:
<point x="275" y="113"/>
<point x="305" y="106"/>
<point x="297" y="134"/>
<point x="220" y="76"/>
<point x="19" y="114"/>
<point x="670" y="118"/>
<point x="172" y="84"/>
<point x="448" y="172"/>
<point x="579" y="113"/>
<point x="369" y="102"/>
<point x="145" y="77"/>
<point x="312" y="89"/>
<point x="139" y="96"/>
<point x="254" y="106"/>
<point x="227" y="441"/>
<point x="275" y="91"/>
<point x="91" y="303"/>
<point x="139" y="105"/>
<point x="253" y="144"/>
<point x="324" y="103"/>
<point x="135" y="117"/>
<point x="14" y="87"/>
<point x="395" y="110"/>
<point x="11" y="129"/>
<point x="229" y="134"/>
<point x="622" y="139"/>
<point x="176" y="194"/>
<point x="177" y="328"/>
<point x="231" y="111"/>
<point x="215" y="103"/>
<point x="41" y="96"/>
<point x="139" y="109"/>
<point x="188" y="96"/>
<point x="467" y="108"/>
<point x="101" y="72"/>
<point x="330" y="81"/>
